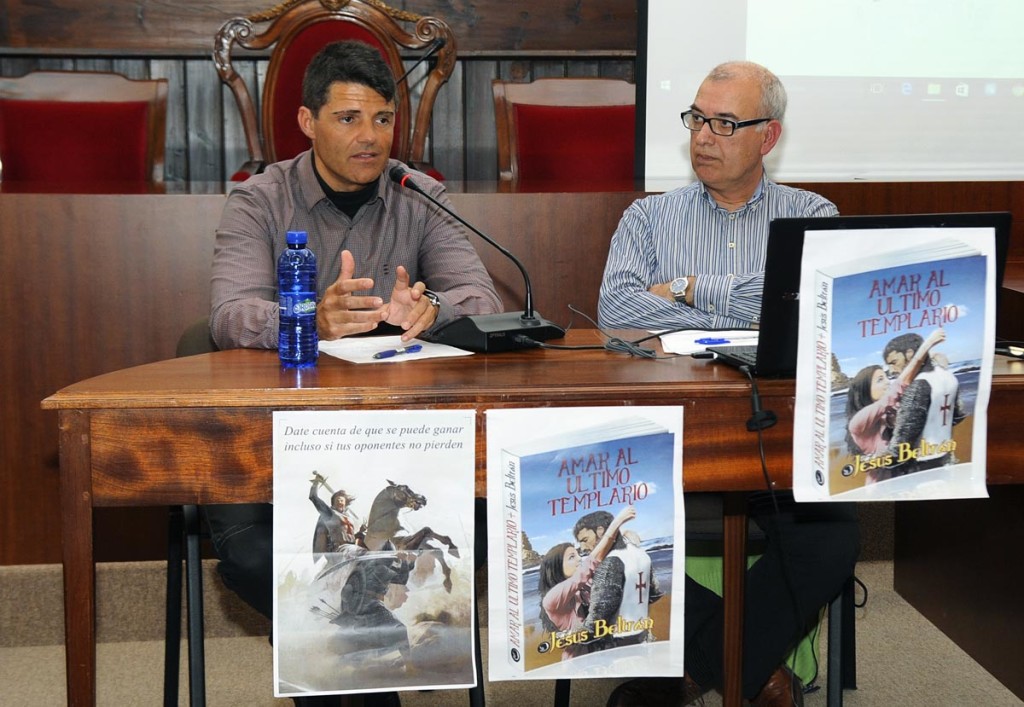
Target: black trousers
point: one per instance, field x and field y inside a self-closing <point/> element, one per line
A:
<point x="810" y="551"/>
<point x="243" y="538"/>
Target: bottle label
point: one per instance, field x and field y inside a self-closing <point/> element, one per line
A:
<point x="297" y="305"/>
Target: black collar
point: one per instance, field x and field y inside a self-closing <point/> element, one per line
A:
<point x="348" y="202"/>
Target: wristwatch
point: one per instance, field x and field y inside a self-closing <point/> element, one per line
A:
<point x="432" y="298"/>
<point x="678" y="288"/>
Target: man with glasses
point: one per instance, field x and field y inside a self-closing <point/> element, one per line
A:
<point x="694" y="258"/>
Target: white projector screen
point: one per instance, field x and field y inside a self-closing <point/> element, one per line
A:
<point x="882" y="90"/>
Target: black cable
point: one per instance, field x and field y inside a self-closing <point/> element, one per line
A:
<point x="435" y="47"/>
<point x="865" y="588"/>
<point x="614" y="343"/>
<point x="755" y="403"/>
<point x="1012" y="348"/>
<point x="760" y="419"/>
<point x="755" y="424"/>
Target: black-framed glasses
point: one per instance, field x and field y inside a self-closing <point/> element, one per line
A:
<point x="719" y="126"/>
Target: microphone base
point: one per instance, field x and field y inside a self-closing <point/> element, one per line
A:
<point x="491" y="333"/>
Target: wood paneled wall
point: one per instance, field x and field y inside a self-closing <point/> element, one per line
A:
<point x="186" y="27"/>
<point x="205" y="143"/>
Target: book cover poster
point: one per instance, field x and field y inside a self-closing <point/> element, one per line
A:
<point x="584" y="506"/>
<point x="895" y="364"/>
<point x="373" y="550"/>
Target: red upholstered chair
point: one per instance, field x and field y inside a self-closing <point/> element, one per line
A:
<point x="568" y="130"/>
<point x="64" y="127"/>
<point x="297" y="30"/>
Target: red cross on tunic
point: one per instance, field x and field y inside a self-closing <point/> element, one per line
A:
<point x="945" y="407"/>
<point x="641" y="585"/>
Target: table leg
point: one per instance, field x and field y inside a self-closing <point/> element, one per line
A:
<point x="79" y="570"/>
<point x="734" y="560"/>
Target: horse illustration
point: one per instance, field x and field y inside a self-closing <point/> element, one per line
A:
<point x="383" y="533"/>
<point x="383" y="529"/>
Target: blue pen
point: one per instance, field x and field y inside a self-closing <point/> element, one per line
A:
<point x="708" y="341"/>
<point x="395" y="352"/>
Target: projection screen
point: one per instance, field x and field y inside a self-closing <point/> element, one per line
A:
<point x="882" y="90"/>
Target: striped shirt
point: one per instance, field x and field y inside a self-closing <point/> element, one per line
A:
<point x="397" y="227"/>
<point x="685" y="232"/>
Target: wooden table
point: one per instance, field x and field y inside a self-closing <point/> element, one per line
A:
<point x="197" y="430"/>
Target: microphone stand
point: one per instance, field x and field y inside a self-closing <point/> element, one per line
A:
<point x="507" y="331"/>
<point x="435" y="47"/>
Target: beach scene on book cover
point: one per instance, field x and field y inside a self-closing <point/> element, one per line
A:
<point x="894" y="368"/>
<point x="585" y="574"/>
<point x="373" y="551"/>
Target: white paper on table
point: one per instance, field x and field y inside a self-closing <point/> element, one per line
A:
<point x="685" y="342"/>
<point x="360" y="349"/>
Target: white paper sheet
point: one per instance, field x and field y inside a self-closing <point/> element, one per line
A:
<point x="361" y="349"/>
<point x="694" y="340"/>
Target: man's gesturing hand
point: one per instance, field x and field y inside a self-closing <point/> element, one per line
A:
<point x="409" y="308"/>
<point x="342" y="313"/>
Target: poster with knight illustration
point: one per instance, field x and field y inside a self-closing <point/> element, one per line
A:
<point x="373" y="551"/>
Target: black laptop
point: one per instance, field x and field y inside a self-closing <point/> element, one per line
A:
<point x="774" y="356"/>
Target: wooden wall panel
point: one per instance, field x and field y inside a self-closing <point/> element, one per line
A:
<point x="176" y="140"/>
<point x="186" y="27"/>
<point x="445" y="145"/>
<point x="481" y="148"/>
<point x="953" y="565"/>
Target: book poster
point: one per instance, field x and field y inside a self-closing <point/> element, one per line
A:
<point x="584" y="507"/>
<point x="373" y="550"/>
<point x="894" y="366"/>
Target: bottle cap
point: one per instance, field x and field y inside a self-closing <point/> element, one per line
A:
<point x="296" y="238"/>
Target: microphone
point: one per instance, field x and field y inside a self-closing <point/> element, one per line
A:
<point x="760" y="419"/>
<point x="435" y="47"/>
<point x="508" y="331"/>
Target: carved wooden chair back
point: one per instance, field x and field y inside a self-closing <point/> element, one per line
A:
<point x="296" y="30"/>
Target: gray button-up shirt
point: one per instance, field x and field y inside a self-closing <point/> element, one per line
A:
<point x="397" y="227"/>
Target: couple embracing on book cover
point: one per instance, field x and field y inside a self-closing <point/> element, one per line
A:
<point x="587" y="515"/>
<point x="914" y="325"/>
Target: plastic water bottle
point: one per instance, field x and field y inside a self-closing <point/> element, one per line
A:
<point x="296" y="291"/>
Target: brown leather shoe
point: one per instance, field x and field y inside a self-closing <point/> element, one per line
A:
<point x="783" y="689"/>
<point x="663" y="692"/>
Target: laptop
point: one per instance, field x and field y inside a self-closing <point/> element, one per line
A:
<point x="774" y="356"/>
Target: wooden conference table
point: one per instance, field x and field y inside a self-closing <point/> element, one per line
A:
<point x="197" y="430"/>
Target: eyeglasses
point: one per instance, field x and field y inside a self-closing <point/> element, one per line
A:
<point x="719" y="126"/>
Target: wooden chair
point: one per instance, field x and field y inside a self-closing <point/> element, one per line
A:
<point x="184" y="534"/>
<point x="66" y="127"/>
<point x="566" y="129"/>
<point x="297" y="30"/>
